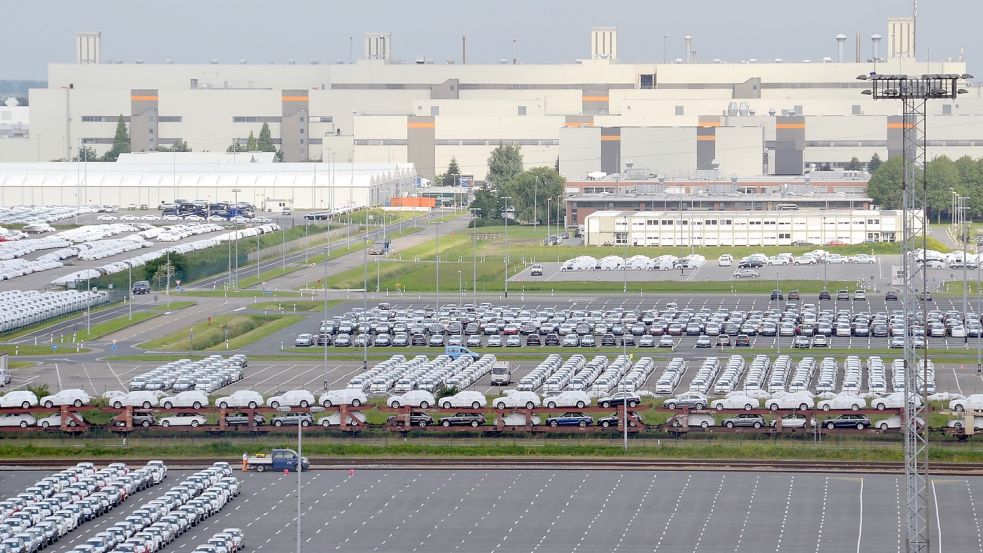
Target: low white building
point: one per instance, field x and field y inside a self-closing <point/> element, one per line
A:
<point x="742" y="228"/>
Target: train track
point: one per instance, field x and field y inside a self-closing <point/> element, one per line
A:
<point x="533" y="463"/>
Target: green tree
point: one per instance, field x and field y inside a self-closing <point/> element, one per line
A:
<point x="529" y="191"/>
<point x="40" y="390"/>
<point x="237" y="146"/>
<point x="178" y="146"/>
<point x="971" y="184"/>
<point x="121" y="142"/>
<point x="854" y="164"/>
<point x="157" y="270"/>
<point x="943" y="178"/>
<point x="265" y="142"/>
<point x="885" y="184"/>
<point x="874" y="163"/>
<point x="488" y="206"/>
<point x="86" y="153"/>
<point x="452" y="176"/>
<point x="251" y="144"/>
<point x="504" y="163"/>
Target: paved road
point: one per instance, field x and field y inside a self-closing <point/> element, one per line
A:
<point x="570" y="511"/>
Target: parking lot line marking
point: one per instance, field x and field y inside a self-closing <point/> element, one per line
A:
<point x="976" y="518"/>
<point x="747" y="514"/>
<point x="788" y="505"/>
<point x="89" y="377"/>
<point x="860" y="531"/>
<point x="822" y="514"/>
<point x="58" y="374"/>
<point x="713" y="505"/>
<point x="675" y="510"/>
<point x="938" y="520"/>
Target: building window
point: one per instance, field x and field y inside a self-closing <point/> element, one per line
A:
<point x="194" y="83"/>
<point x="301" y="140"/>
<point x="245" y="119"/>
<point x="301" y="131"/>
<point x="434" y="111"/>
<point x="680" y="110"/>
<point x="522" y="110"/>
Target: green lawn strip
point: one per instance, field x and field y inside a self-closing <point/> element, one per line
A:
<point x="294" y="306"/>
<point x="265" y="276"/>
<point x="14" y="334"/>
<point x="205" y="334"/>
<point x="238" y="293"/>
<point x="260" y="332"/>
<point x="521" y="447"/>
<point x="123" y="321"/>
<point x="24" y="349"/>
<point x="357" y="247"/>
<point x="20" y="364"/>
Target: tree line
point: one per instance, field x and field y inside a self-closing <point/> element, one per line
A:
<point x="510" y="189"/>
<point x="943" y="175"/>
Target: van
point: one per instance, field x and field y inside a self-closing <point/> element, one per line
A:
<point x="141" y="287"/>
<point x="536" y="270"/>
<point x="501" y="374"/>
<point x="460" y="351"/>
<point x="286" y="211"/>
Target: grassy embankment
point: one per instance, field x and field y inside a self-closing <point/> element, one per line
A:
<point x="241" y="330"/>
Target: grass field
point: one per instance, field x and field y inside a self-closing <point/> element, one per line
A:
<point x="204" y="335"/>
<point x="123" y="321"/>
<point x="294" y="306"/>
<point x="23" y="349"/>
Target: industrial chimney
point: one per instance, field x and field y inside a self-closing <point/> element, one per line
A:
<point x="875" y="40"/>
<point x="689" y="48"/>
<point x="840" y="47"/>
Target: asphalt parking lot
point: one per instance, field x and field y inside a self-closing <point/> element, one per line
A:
<point x="569" y="511"/>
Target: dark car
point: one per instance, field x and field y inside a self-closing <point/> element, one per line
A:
<point x="777" y="295"/>
<point x="418" y="340"/>
<point x="824" y="294"/>
<point x="609" y="340"/>
<point x="533" y="340"/>
<point x="628" y="340"/>
<point x="292" y="419"/>
<point x="742" y="340"/>
<point x="552" y="340"/>
<point x="140" y="418"/>
<point x="794" y="295"/>
<point x="323" y="339"/>
<point x="462" y="419"/>
<point x="242" y="419"/>
<point x="745" y="420"/>
<point x="891" y="295"/>
<point x="848" y="421"/>
<point x="140" y="287"/>
<point x="750" y="264"/>
<point x="616" y="419"/>
<point x="619" y="399"/>
<point x="571" y="419"/>
<point x="416" y="419"/>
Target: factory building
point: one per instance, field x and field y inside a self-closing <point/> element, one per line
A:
<point x="742" y="228"/>
<point x="740" y="117"/>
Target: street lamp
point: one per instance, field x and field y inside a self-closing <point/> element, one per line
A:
<point x="324" y="286"/>
<point x="505" y="214"/>
<point x="474" y="259"/>
<point x="300" y="469"/>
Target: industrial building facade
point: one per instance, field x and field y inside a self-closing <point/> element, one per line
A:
<point x="767" y="228"/>
<point x="739" y="117"/>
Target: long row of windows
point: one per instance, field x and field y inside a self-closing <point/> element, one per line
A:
<point x="126" y="118"/>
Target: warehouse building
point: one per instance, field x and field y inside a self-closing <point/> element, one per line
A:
<point x="762" y="228"/>
<point x="741" y="117"/>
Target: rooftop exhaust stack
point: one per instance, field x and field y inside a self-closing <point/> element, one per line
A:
<point x="689" y="48"/>
<point x="875" y="42"/>
<point x="604" y="43"/>
<point x="840" y="47"/>
<point x="88" y="48"/>
<point x="378" y="46"/>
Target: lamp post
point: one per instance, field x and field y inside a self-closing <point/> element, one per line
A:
<point x="505" y="214"/>
<point x="624" y="266"/>
<point x="548" y="221"/>
<point x="365" y="300"/>
<point x="235" y="236"/>
<point x="460" y="283"/>
<point x="474" y="260"/>
<point x="324" y="286"/>
<point x="436" y="251"/>
<point x="300" y="469"/>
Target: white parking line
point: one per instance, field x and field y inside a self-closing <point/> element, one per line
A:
<point x="747" y="514"/>
<point x="788" y="505"/>
<point x="822" y="515"/>
<point x="976" y="517"/>
<point x="938" y="519"/>
<point x="675" y="510"/>
<point x="713" y="505"/>
<point x="58" y="374"/>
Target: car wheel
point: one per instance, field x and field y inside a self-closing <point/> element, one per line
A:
<point x="223" y="405"/>
<point x="475" y="405"/>
<point x="803" y="407"/>
<point x="582" y="424"/>
<point x="605" y="404"/>
<point x="757" y="425"/>
<point x="168" y="405"/>
<point x="48" y="405"/>
<point x="145" y="424"/>
<point x="305" y="423"/>
<point x="25" y="405"/>
<point x="146" y="405"/>
<point x="860" y="426"/>
<point x="704" y="424"/>
<point x="194" y="424"/>
<point x="830" y="426"/>
<point x="581" y="405"/>
<point x="260" y="468"/>
<point x="252" y="404"/>
<point x="605" y="424"/>
<point x="551" y="405"/>
<point x="884" y="427"/>
<point x="275" y="404"/>
<point x="394" y="404"/>
<point x="424" y="405"/>
<point x="325" y="423"/>
<point x="773" y="406"/>
<point x="530" y="405"/>
<point x="699" y="406"/>
<point x="304" y="404"/>
<point x="632" y="403"/>
<point x="670" y="405"/>
<point x="196" y="405"/>
<point x="445" y="423"/>
<point x="960" y="408"/>
<point x="474" y="423"/>
<point x="326" y="403"/>
<point x="500" y="405"/>
<point x="422" y="423"/>
<point x="855" y="407"/>
<point x="554" y="424"/>
<point x="881" y="406"/>
<point x="730" y="424"/>
<point x="355" y="402"/>
<point x="165" y="423"/>
<point x="278" y="423"/>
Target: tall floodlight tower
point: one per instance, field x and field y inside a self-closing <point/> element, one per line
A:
<point x="914" y="92"/>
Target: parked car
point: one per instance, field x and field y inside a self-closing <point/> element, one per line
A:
<point x="620" y="398"/>
<point x="17" y="419"/>
<point x="796" y="420"/>
<point x="242" y="419"/>
<point x="304" y="340"/>
<point x="852" y="402"/>
<point x="140" y="398"/>
<point x="892" y="401"/>
<point x="240" y="398"/>
<point x="973" y="402"/>
<point x="191" y="398"/>
<point x="292" y="398"/>
<point x="467" y="398"/>
<point x="735" y="401"/>
<point x="615" y="419"/>
<point x="344" y="396"/>
<point x="292" y="419"/>
<point x="71" y="396"/>
<point x="692" y="400"/>
<point x="462" y="419"/>
<point x="416" y="418"/>
<point x="745" y="420"/>
<point x="183" y="419"/>
<point x="517" y="398"/>
<point x="19" y="398"/>
<point x="799" y="400"/>
<point x="570" y="419"/>
<point x="569" y="398"/>
<point x="418" y="398"/>
<point x="847" y="421"/>
<point x="140" y="418"/>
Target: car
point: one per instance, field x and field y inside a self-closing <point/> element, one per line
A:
<point x="242" y="419"/>
<point x="292" y="398"/>
<point x="355" y="418"/>
<point x="796" y="420"/>
<point x="417" y="398"/>
<point x="304" y="340"/>
<point x="704" y="341"/>
<point x="692" y="400"/>
<point x="745" y="420"/>
<point x="140" y="287"/>
<point x="777" y="295"/>
<point x="859" y="422"/>
<point x="517" y="399"/>
<point x="801" y="342"/>
<point x="723" y="340"/>
<point x="17" y="419"/>
<point x="19" y="398"/>
<point x="569" y="398"/>
<point x="241" y="398"/>
<point x="895" y="400"/>
<point x="55" y="420"/>
<point x="735" y="401"/>
<point x="960" y="423"/>
<point x="145" y="419"/>
<point x="742" y="341"/>
<point x="615" y="419"/>
<point x="183" y="419"/>
<point x="797" y="400"/>
<point x="467" y="398"/>
<point x="744" y="273"/>
<point x="415" y="418"/>
<point x="620" y="398"/>
<point x="725" y="260"/>
<point x="536" y="270"/>
<point x="820" y="341"/>
<point x="292" y="419"/>
<point x="843" y="401"/>
<point x="531" y="340"/>
<point x="972" y="402"/>
<point x="71" y="396"/>
<point x="842" y="294"/>
<point x="191" y="398"/>
<point x="794" y="295"/>
<point x="824" y="294"/>
<point x="140" y="398"/>
<point x="573" y="418"/>
<point x="894" y="423"/>
<point x="925" y="296"/>
<point x="891" y="295"/>
<point x="344" y="396"/>
<point x="462" y="419"/>
<point x="859" y="295"/>
<point x="666" y="341"/>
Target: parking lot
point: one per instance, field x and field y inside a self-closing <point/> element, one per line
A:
<point x="569" y="511"/>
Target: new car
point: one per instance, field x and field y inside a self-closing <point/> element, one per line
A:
<point x="620" y="398"/>
<point x="847" y="421"/>
<point x="518" y="399"/>
<point x="735" y="401"/>
<point x="570" y="419"/>
<point x="292" y="419"/>
<point x="843" y="401"/>
<point x="19" y="398"/>
<point x="414" y="398"/>
<point x="415" y="418"/>
<point x="183" y="419"/>
<point x="617" y="418"/>
<point x="344" y="396"/>
<point x="893" y="401"/>
<point x="467" y="398"/>
<point x="21" y="420"/>
<point x="240" y="398"/>
<point x="973" y="402"/>
<point x="692" y="400"/>
<point x="71" y="396"/>
<point x="292" y="398"/>
<point x="191" y="398"/>
<point x="745" y="420"/>
<point x="569" y="398"/>
<point x="463" y="419"/>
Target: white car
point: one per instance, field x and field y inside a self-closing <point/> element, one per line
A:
<point x="292" y="398"/>
<point x="183" y="419"/>
<point x="191" y="398"/>
<point x="467" y="398"/>
<point x="791" y="401"/>
<point x="736" y="401"/>
<point x="795" y="420"/>
<point x="105" y="218"/>
<point x="517" y="399"/>
<point x="958" y="424"/>
<point x="21" y="420"/>
<point x="851" y="402"/>
<point x="74" y="397"/>
<point x="19" y="398"/>
<point x="414" y="398"/>
<point x="702" y="420"/>
<point x="240" y="398"/>
<point x="892" y="401"/>
<point x="570" y="398"/>
<point x="725" y="260"/>
<point x="139" y="398"/>
<point x="345" y="396"/>
<point x="55" y="420"/>
<point x="355" y="418"/>
<point x="972" y="402"/>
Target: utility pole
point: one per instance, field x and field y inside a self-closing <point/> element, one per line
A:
<point x="506" y="216"/>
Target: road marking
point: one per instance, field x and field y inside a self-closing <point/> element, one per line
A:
<point x="675" y="510"/>
<point x="938" y="519"/>
<point x="747" y="514"/>
<point x="976" y="518"/>
<point x="58" y="373"/>
<point x="238" y="309"/>
<point x="954" y="376"/>
<point x="788" y="504"/>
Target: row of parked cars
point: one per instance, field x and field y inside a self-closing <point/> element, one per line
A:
<point x="58" y="504"/>
<point x="22" y="308"/>
<point x="206" y="375"/>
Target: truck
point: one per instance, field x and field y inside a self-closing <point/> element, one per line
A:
<point x="501" y="373"/>
<point x="276" y="459"/>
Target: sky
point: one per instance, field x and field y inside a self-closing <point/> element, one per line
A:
<point x="34" y="33"/>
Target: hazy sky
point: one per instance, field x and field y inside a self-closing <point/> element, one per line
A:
<point x="36" y="32"/>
